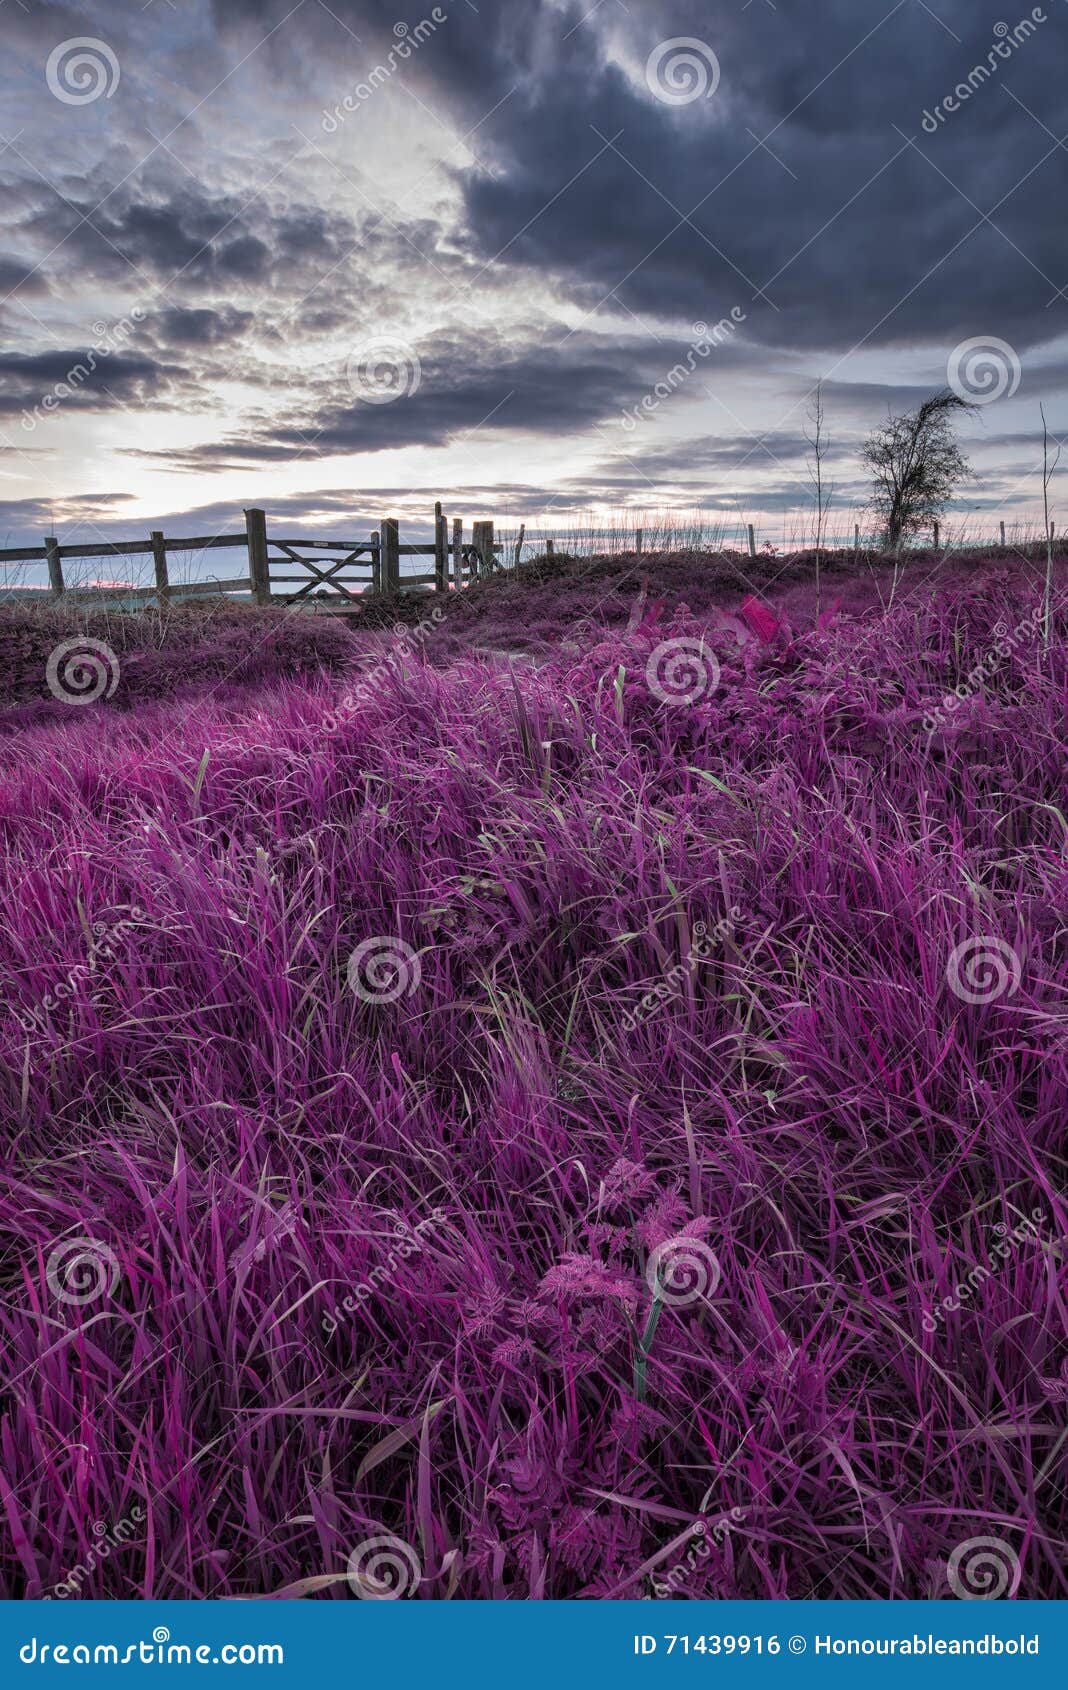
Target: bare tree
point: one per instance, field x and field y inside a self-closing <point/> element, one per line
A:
<point x="915" y="466"/>
<point x="815" y="437"/>
<point x="1048" y="472"/>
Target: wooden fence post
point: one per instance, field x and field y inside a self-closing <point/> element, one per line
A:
<point x="1003" y="533"/>
<point x="259" y="570"/>
<point x="856" y="538"/>
<point x="441" y="553"/>
<point x="458" y="550"/>
<point x="482" y="534"/>
<point x="550" y="548"/>
<point x="519" y="542"/>
<point x="936" y="533"/>
<point x="752" y="541"/>
<point x="390" y="532"/>
<point x="159" y="559"/>
<point x="55" y="565"/>
<point x="376" y="561"/>
<point x="638" y="538"/>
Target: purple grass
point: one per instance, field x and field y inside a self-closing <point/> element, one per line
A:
<point x="602" y="1145"/>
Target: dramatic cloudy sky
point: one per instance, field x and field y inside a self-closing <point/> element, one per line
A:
<point x="334" y="280"/>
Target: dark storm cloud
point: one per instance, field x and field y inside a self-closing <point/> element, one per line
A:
<point x="37" y="25"/>
<point x="340" y="511"/>
<point x="754" y="450"/>
<point x="18" y="275"/>
<point x="332" y="512"/>
<point x="869" y="401"/>
<point x="862" y="227"/>
<point x="465" y="384"/>
<point x="806" y="192"/>
<point x="165" y="233"/>
<point x="201" y="326"/>
<point x="66" y="515"/>
<point x="208" y="266"/>
<point x="1030" y="442"/>
<point x="91" y="379"/>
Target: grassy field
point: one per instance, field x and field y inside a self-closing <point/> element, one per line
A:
<point x="555" y="1092"/>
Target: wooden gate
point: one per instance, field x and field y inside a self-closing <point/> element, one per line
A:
<point x="338" y="566"/>
<point x="346" y="569"/>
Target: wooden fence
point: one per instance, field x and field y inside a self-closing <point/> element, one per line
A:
<point x="330" y="568"/>
<point x="335" y="571"/>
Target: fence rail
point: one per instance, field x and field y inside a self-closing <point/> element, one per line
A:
<point x="117" y="548"/>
